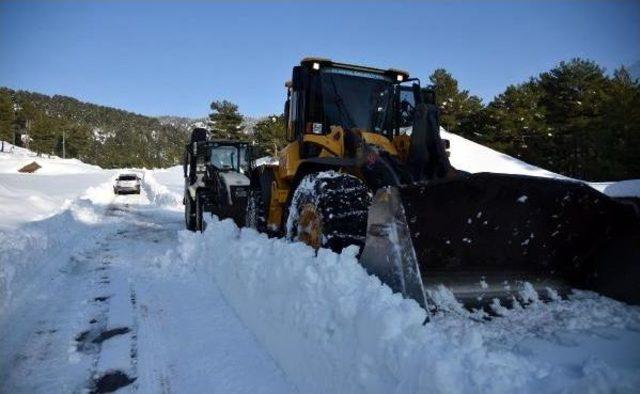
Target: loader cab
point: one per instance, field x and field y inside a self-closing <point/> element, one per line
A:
<point x="323" y="94"/>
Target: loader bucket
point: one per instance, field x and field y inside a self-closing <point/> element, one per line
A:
<point x="483" y="236"/>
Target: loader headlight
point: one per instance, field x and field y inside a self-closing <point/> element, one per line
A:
<point x="400" y="77"/>
<point x="315" y="66"/>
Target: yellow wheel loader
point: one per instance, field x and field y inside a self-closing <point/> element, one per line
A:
<point x="365" y="166"/>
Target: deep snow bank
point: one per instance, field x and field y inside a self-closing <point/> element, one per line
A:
<point x="172" y="178"/>
<point x="333" y="328"/>
<point x="23" y="250"/>
<point x="158" y="194"/>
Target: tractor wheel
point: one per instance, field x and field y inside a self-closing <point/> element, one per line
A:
<point x="199" y="211"/>
<point x="329" y="209"/>
<point x="256" y="215"/>
<point x="189" y="212"/>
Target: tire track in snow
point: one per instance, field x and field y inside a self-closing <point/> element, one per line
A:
<point x="171" y="331"/>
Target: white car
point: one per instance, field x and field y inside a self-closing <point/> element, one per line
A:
<point x="126" y="184"/>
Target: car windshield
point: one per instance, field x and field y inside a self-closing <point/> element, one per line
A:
<point x="357" y="100"/>
<point x="127" y="178"/>
<point x="227" y="157"/>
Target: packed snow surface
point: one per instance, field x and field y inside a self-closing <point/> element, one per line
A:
<point x="96" y="284"/>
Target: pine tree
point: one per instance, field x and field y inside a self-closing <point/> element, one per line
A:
<point x="44" y="133"/>
<point x="269" y="135"/>
<point x="573" y="95"/>
<point x="618" y="140"/>
<point x="77" y="140"/>
<point x="226" y="120"/>
<point x="516" y="124"/>
<point x="456" y="106"/>
<point x="7" y="117"/>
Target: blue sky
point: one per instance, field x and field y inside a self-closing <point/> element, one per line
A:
<point x="174" y="58"/>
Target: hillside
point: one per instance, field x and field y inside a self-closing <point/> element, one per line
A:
<point x="96" y="134"/>
<point x="185" y="124"/>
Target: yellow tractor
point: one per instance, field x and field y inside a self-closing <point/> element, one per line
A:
<point x="365" y="166"/>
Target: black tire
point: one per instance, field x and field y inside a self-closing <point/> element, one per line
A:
<point x="199" y="219"/>
<point x="258" y="201"/>
<point x="256" y="217"/>
<point x="189" y="212"/>
<point x="341" y="203"/>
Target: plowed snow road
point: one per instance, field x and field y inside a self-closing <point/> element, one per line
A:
<point x="108" y="315"/>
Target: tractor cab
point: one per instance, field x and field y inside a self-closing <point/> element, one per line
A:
<point x="228" y="156"/>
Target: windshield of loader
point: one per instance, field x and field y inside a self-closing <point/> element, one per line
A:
<point x="228" y="157"/>
<point x="355" y="99"/>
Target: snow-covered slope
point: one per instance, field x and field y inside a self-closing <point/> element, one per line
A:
<point x="49" y="190"/>
<point x="13" y="158"/>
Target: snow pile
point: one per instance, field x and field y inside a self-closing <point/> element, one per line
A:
<point x="266" y="160"/>
<point x="172" y="178"/>
<point x="472" y="157"/>
<point x="101" y="194"/>
<point x="628" y="188"/>
<point x="24" y="251"/>
<point x="158" y="194"/>
<point x="333" y="328"/>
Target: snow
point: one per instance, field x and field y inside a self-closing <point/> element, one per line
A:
<point x="231" y="310"/>
<point x="159" y="194"/>
<point x="627" y="188"/>
<point x="13" y="158"/>
<point x="333" y="328"/>
<point x="105" y="263"/>
<point x="469" y="156"/>
<point x="48" y="191"/>
<point x="266" y="160"/>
